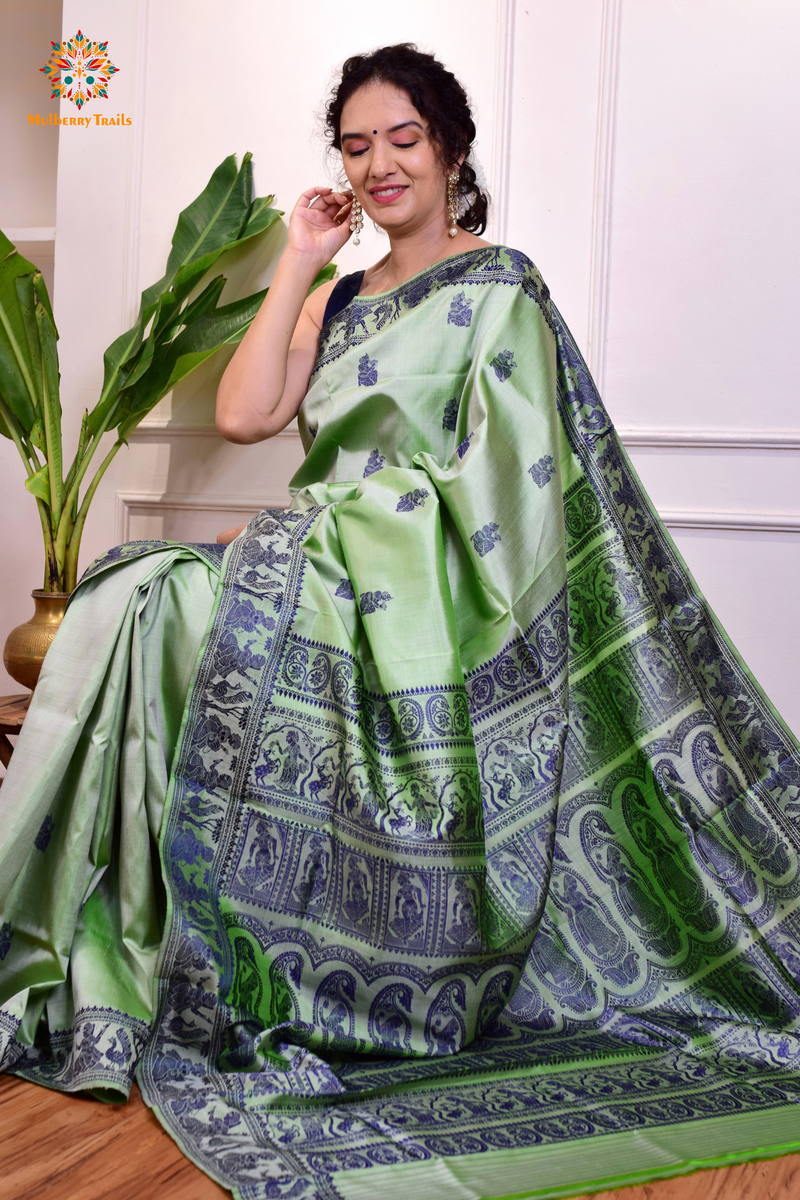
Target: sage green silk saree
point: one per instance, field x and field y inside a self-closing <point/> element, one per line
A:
<point x="478" y="843"/>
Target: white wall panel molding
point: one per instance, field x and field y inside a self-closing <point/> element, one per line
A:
<point x="712" y="439"/>
<point x="501" y="130"/>
<point x="133" y="182"/>
<point x="132" y="504"/>
<point x="731" y="522"/>
<point x="597" y="333"/>
<point x="159" y="431"/>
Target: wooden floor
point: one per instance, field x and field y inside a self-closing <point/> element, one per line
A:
<point x="59" y="1147"/>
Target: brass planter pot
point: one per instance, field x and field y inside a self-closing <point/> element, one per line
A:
<point x="27" y="645"/>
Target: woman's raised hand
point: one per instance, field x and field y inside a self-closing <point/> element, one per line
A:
<point x="320" y="223"/>
<point x="265" y="381"/>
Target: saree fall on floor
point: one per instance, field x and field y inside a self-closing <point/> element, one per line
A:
<point x="478" y="843"/>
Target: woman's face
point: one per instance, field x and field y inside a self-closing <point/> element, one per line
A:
<point x="391" y="161"/>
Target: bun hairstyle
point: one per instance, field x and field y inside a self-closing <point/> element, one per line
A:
<point x="437" y="96"/>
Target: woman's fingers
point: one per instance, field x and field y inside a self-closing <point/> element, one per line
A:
<point x="311" y="194"/>
<point x="320" y="221"/>
<point x="322" y="197"/>
<point x="225" y="538"/>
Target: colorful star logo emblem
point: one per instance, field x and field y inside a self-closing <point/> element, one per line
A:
<point x="79" y="70"/>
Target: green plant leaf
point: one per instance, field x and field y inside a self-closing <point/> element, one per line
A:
<point x="191" y="273"/>
<point x="216" y="217"/>
<point x="16" y="366"/>
<point x="173" y="362"/>
<point x="39" y="484"/>
<point x="205" y="303"/>
<point x="51" y="408"/>
<point x="220" y="218"/>
<point x="324" y="276"/>
<point x="83" y="441"/>
<point x="26" y="298"/>
<point x="208" y="331"/>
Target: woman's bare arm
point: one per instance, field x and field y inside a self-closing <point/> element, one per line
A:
<point x="267" y="378"/>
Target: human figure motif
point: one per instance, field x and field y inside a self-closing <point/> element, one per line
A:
<point x="421" y="806"/>
<point x="622" y="692"/>
<point x="682" y="885"/>
<point x="744" y="821"/>
<point x="294" y="762"/>
<point x="262" y="856"/>
<point x="624" y="585"/>
<point x="409" y="910"/>
<point x="721" y="860"/>
<point x="546" y="741"/>
<point x="89" y="1053"/>
<point x="357" y="890"/>
<point x="637" y="903"/>
<point x="311" y="888"/>
<point x="661" y="668"/>
<point x="519" y="882"/>
<point x="518" y="767"/>
<point x="600" y="937"/>
<point x="566" y="975"/>
<point x="463" y="927"/>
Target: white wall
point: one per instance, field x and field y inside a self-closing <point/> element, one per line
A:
<point x="27" y="202"/>
<point x="655" y="179"/>
<point x="642" y="152"/>
<point x="28" y="177"/>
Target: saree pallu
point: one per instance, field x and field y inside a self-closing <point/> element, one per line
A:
<point x="478" y="855"/>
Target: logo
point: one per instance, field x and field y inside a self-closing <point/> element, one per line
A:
<point x="79" y="70"/>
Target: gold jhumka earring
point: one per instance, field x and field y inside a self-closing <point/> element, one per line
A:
<point x="356" y="221"/>
<point x="452" y="201"/>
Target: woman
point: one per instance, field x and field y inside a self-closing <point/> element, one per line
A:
<point x="478" y="858"/>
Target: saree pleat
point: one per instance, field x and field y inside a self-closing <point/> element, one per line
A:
<point x="479" y="847"/>
<point x="79" y="878"/>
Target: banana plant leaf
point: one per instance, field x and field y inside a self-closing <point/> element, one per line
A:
<point x="51" y="407"/>
<point x="208" y="329"/>
<point x="223" y="216"/>
<point x="18" y="370"/>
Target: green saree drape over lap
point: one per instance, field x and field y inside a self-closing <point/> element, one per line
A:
<point x="465" y="858"/>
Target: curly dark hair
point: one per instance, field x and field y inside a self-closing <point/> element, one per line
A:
<point x="437" y="96"/>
